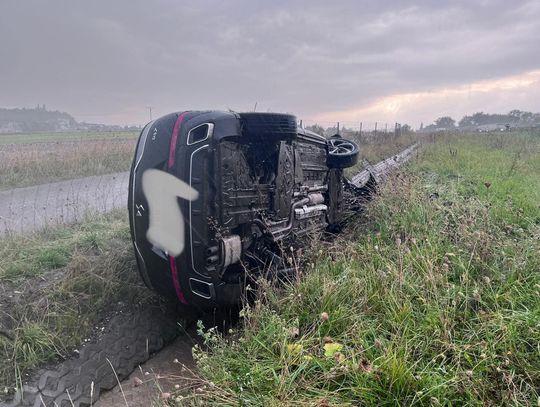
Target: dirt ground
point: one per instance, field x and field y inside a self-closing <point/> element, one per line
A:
<point x="172" y="366"/>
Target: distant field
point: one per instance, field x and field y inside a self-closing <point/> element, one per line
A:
<point x="32" y="163"/>
<point x="69" y="136"/>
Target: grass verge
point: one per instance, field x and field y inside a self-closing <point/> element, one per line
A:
<point x="56" y="285"/>
<point x="433" y="299"/>
<point x="375" y="148"/>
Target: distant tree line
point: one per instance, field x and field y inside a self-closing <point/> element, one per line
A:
<point x="39" y="119"/>
<point x="480" y="120"/>
<point x="34" y="120"/>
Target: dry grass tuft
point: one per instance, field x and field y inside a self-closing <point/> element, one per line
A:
<point x="37" y="163"/>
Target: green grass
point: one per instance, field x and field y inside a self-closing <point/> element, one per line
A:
<point x="375" y="148"/>
<point x="62" y="137"/>
<point x="30" y="255"/>
<point x="433" y="298"/>
<point x="56" y="285"/>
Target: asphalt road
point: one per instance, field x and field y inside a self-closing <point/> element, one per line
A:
<point x="31" y="208"/>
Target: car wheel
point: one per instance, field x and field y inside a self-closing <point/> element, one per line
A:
<point x="342" y="153"/>
<point x="268" y="125"/>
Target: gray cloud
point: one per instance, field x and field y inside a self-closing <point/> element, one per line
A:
<point x="108" y="60"/>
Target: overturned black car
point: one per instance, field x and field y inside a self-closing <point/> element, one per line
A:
<point x="217" y="198"/>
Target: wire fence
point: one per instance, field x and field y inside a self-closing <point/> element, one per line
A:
<point x="370" y="130"/>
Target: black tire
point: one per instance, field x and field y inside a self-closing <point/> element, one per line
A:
<point x="342" y="153"/>
<point x="268" y="125"/>
<point x="131" y="340"/>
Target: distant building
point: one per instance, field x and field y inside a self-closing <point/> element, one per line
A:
<point x="493" y="127"/>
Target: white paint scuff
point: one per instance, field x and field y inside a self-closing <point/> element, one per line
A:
<point x="166" y="222"/>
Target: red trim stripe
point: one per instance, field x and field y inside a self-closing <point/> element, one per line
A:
<point x="174" y="138"/>
<point x="170" y="164"/>
<point x="176" y="281"/>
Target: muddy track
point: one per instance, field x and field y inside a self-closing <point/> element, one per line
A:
<point x="129" y="340"/>
<point x="170" y="367"/>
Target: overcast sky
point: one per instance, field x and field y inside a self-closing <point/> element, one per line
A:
<point x="106" y="61"/>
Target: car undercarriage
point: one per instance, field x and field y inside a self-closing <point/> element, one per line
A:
<point x="261" y="183"/>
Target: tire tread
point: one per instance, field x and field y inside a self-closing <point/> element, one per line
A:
<point x="129" y="342"/>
